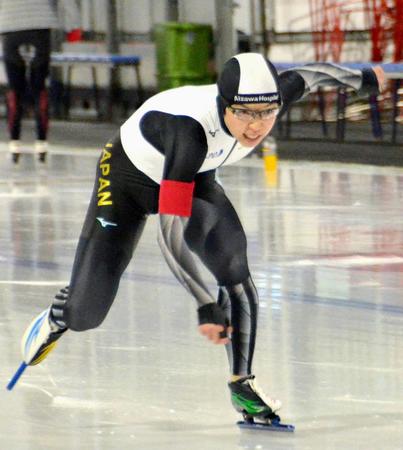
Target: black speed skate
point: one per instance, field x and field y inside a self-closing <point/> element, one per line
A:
<point x="258" y="410"/>
<point x="41" y="148"/>
<point x="15" y="157"/>
<point x="14" y="146"/>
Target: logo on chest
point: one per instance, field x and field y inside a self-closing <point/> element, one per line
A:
<point x="215" y="154"/>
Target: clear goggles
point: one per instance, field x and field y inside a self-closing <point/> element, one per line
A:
<point x="249" y="115"/>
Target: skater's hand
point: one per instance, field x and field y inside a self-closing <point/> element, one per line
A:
<point x="215" y="333"/>
<point x="380" y="76"/>
<point x="214" y="324"/>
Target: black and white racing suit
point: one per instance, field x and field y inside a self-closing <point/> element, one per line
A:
<point x="164" y="161"/>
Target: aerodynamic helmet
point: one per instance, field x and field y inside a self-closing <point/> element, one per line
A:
<point x="249" y="78"/>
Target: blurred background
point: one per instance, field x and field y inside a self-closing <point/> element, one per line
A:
<point x="325" y="239"/>
<point x="131" y="49"/>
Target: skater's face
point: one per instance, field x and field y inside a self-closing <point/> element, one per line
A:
<point x="250" y="123"/>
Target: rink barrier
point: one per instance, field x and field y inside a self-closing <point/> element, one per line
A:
<point x="393" y="71"/>
<point x="70" y="61"/>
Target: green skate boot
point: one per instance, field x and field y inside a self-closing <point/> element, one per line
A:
<point x="258" y="410"/>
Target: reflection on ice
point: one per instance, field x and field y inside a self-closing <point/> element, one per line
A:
<point x="326" y="251"/>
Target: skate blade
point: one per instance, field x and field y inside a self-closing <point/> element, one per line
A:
<point x="273" y="426"/>
<point x="17" y="376"/>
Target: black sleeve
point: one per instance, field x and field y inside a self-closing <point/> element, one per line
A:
<point x="369" y="82"/>
<point x="300" y="81"/>
<point x="181" y="139"/>
<point x="292" y="88"/>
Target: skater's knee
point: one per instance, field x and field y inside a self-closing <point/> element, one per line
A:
<point x="87" y="307"/>
<point x="79" y="323"/>
<point x="79" y="320"/>
<point x="69" y="311"/>
<point x="232" y="271"/>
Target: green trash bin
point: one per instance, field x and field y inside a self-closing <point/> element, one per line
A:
<point x="183" y="51"/>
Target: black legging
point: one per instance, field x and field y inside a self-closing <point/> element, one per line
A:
<point x="16" y="75"/>
<point x="214" y="233"/>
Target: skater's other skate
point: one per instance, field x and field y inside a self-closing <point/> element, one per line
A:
<point x="248" y="399"/>
<point x="14" y="147"/>
<point x="41" y="148"/>
<point x="40" y="338"/>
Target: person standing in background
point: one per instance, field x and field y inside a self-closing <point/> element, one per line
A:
<point x="29" y="23"/>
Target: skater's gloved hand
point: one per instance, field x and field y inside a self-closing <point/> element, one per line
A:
<point x="214" y="324"/>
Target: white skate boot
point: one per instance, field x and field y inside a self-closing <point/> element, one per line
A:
<point x="41" y="148"/>
<point x="14" y="147"/>
<point x="39" y="339"/>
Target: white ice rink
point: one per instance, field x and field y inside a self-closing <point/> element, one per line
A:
<point x="326" y="252"/>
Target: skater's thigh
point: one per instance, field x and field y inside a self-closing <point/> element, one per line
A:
<point x="103" y="253"/>
<point x="14" y="64"/>
<point x="216" y="235"/>
<point x="39" y="66"/>
<point x="111" y="231"/>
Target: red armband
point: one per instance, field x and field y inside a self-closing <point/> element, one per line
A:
<point x="176" y="198"/>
